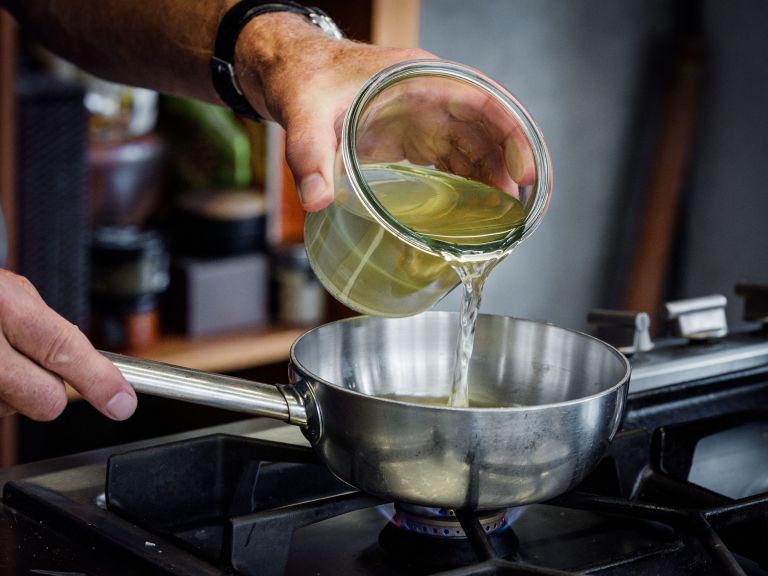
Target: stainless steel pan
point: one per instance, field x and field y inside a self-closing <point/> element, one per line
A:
<point x="556" y="400"/>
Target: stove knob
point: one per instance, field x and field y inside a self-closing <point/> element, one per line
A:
<point x="755" y="301"/>
<point x="698" y="318"/>
<point x="627" y="331"/>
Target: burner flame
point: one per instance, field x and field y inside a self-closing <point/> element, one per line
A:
<point x="442" y="522"/>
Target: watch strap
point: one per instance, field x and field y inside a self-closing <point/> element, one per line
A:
<point x="222" y="63"/>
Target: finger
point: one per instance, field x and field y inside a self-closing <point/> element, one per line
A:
<point x="401" y="125"/>
<point x="36" y="331"/>
<point x="27" y="388"/>
<point x="502" y="129"/>
<point x="381" y="143"/>
<point x="310" y="150"/>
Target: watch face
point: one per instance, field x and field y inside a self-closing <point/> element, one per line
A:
<point x="324" y="22"/>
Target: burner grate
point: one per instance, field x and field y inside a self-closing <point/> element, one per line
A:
<point x="238" y="501"/>
<point x="227" y="504"/>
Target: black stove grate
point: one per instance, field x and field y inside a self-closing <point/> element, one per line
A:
<point x="234" y="500"/>
<point x="231" y="503"/>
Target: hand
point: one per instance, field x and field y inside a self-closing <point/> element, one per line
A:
<point x="307" y="82"/>
<point x="294" y="74"/>
<point x="40" y="350"/>
<point x="453" y="126"/>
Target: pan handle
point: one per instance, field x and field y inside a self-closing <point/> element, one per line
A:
<point x="216" y="390"/>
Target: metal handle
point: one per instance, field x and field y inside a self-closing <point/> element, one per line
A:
<point x="227" y="392"/>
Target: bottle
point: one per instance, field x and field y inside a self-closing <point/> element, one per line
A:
<point x="437" y="165"/>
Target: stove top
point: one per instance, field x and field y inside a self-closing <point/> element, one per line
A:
<point x="682" y="490"/>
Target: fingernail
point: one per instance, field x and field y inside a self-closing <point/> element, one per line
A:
<point x="311" y="188"/>
<point x="121" y="406"/>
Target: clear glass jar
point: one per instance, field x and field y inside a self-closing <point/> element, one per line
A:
<point x="437" y="163"/>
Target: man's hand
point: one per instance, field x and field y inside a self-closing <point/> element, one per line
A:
<point x="451" y="125"/>
<point x="40" y="350"/>
<point x="294" y="74"/>
<point x="306" y="81"/>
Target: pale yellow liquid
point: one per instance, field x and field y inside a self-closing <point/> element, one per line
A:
<point x="444" y="401"/>
<point x="374" y="272"/>
<point x="473" y="275"/>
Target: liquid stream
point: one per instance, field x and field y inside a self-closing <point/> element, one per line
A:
<point x="369" y="269"/>
<point x="473" y="275"/>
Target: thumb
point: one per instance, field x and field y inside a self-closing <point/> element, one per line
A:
<point x="310" y="149"/>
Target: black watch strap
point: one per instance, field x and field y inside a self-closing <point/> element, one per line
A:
<point x="222" y="64"/>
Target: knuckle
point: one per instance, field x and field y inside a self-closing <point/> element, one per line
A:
<point x="21" y="285"/>
<point x="6" y="410"/>
<point x="57" y="351"/>
<point x="18" y="296"/>
<point x="50" y="407"/>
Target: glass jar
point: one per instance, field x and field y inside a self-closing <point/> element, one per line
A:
<point x="436" y="163"/>
<point x="300" y="297"/>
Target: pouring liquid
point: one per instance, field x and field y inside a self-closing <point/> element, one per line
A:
<point x="461" y="211"/>
<point x="371" y="270"/>
<point x="473" y="277"/>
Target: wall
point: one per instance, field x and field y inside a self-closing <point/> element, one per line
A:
<point x="590" y="72"/>
<point x="725" y="236"/>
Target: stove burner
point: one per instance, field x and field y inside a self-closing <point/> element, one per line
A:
<point x="434" y="537"/>
<point x="442" y="522"/>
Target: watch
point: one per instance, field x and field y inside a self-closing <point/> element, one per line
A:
<point x="222" y="64"/>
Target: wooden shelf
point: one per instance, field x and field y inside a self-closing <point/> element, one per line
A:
<point x="221" y="353"/>
<point x="224" y="352"/>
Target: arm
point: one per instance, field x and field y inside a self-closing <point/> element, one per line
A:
<point x="289" y="70"/>
<point x="164" y="44"/>
<point x="291" y="73"/>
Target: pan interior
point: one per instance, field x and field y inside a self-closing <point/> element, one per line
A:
<point x="514" y="363"/>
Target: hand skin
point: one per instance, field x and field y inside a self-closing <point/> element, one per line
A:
<point x="305" y="81"/>
<point x="40" y="350"/>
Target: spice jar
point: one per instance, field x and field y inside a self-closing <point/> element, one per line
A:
<point x="300" y="297"/>
<point x="437" y="163"/>
<point x="129" y="272"/>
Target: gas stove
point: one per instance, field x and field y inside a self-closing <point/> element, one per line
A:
<point x="683" y="488"/>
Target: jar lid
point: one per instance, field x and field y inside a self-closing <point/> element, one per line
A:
<point x="130" y="243"/>
<point x="225" y="205"/>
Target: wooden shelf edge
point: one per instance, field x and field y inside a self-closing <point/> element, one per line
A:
<point x="227" y="352"/>
<point x="224" y="352"/>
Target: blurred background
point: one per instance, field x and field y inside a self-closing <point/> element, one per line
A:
<point x="644" y="105"/>
<point x="170" y="229"/>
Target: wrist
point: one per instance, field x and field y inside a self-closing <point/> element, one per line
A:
<point x="272" y="51"/>
<point x="251" y="41"/>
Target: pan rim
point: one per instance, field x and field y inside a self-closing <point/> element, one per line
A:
<point x="310" y="377"/>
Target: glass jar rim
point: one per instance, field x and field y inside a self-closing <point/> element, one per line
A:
<point x="452" y="70"/>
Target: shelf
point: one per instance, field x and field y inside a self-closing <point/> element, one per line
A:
<point x="222" y="353"/>
<point x="225" y="352"/>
